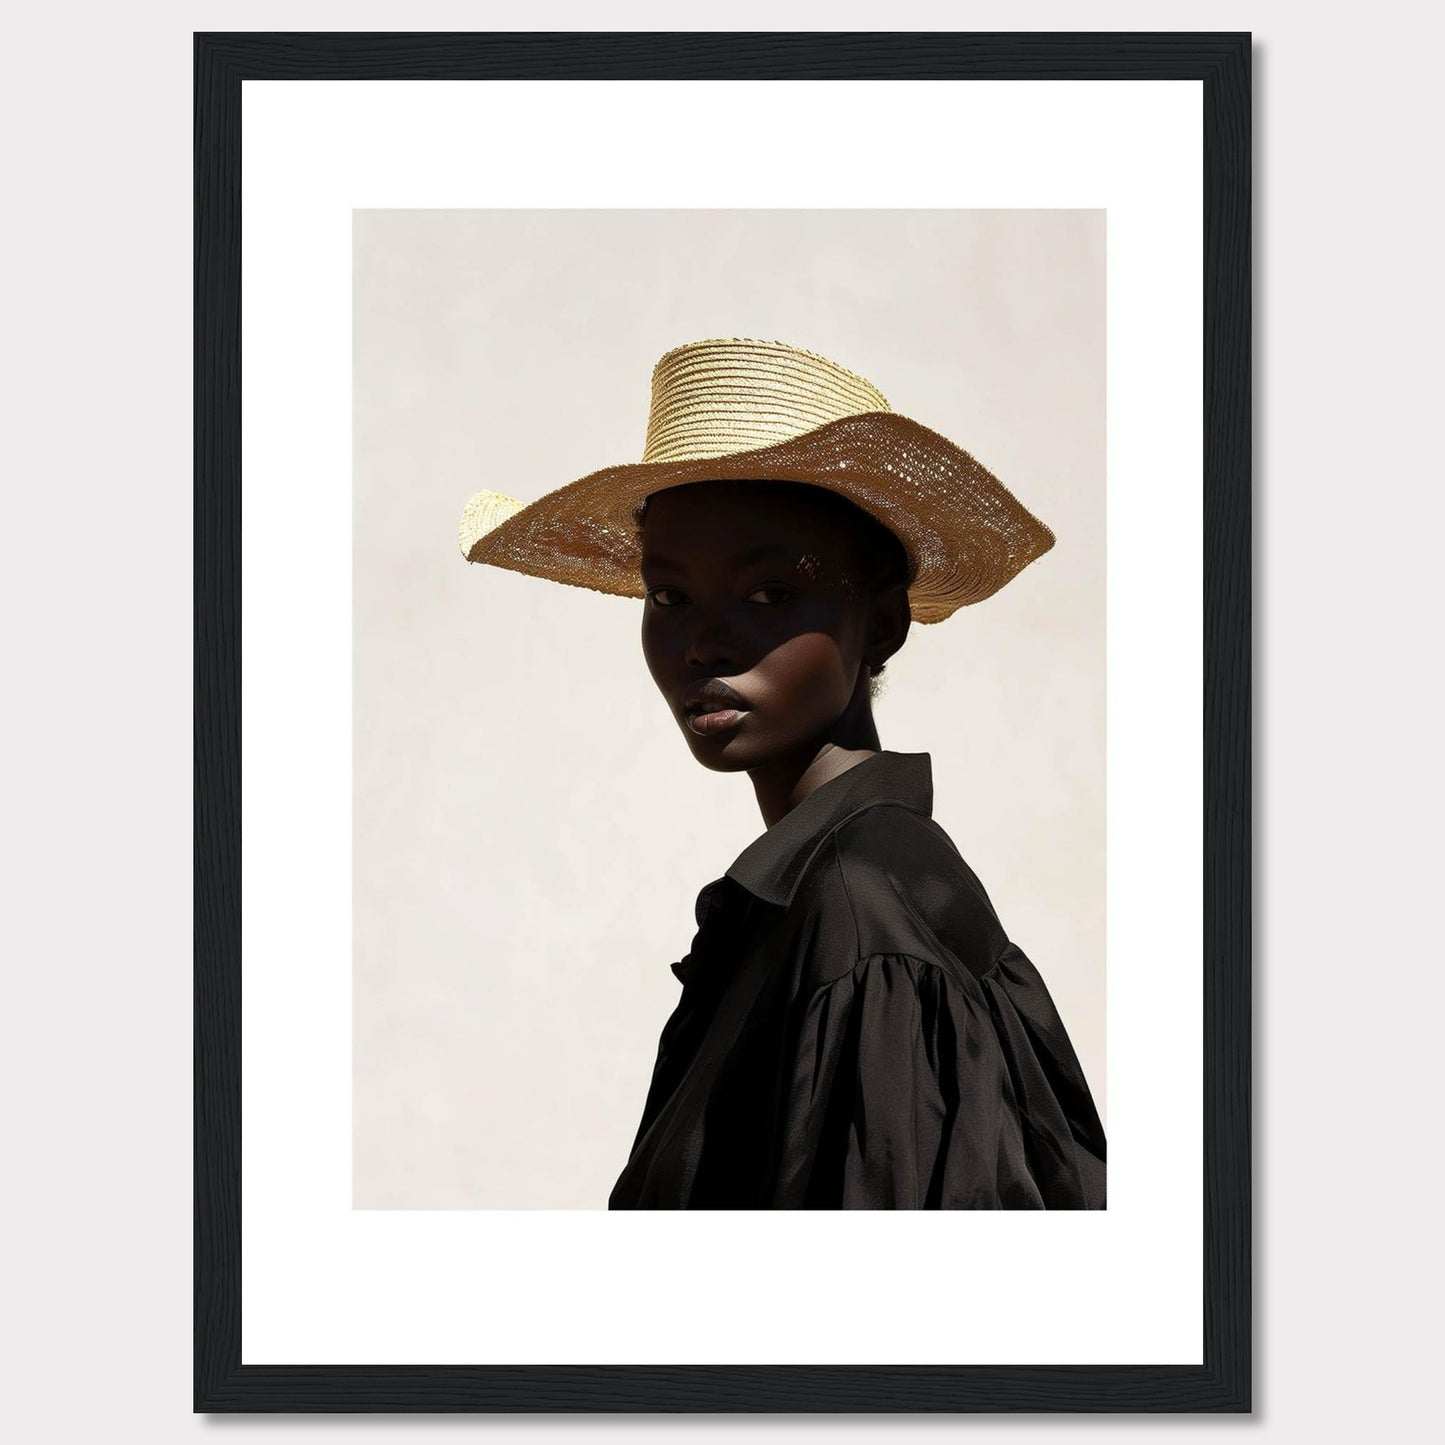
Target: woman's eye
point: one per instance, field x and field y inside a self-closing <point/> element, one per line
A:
<point x="768" y="595"/>
<point x="783" y="593"/>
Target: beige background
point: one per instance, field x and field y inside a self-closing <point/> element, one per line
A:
<point x="526" y="861"/>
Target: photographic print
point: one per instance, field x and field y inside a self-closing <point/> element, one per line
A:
<point x="809" y="649"/>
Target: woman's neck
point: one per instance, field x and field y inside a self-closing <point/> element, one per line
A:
<point x="781" y="785"/>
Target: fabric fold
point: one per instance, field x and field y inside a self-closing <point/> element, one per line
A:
<point x="915" y="1087"/>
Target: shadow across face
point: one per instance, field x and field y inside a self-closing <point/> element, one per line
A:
<point x="769" y="607"/>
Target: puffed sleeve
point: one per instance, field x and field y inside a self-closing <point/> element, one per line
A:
<point x="913" y="1085"/>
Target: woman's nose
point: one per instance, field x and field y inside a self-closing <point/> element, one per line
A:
<point x="710" y="641"/>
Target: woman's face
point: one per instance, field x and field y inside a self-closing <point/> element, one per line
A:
<point x="753" y="590"/>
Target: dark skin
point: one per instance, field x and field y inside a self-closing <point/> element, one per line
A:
<point x="794" y="632"/>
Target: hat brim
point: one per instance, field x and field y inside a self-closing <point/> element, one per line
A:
<point x="965" y="533"/>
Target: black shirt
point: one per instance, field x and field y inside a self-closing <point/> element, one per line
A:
<point x="857" y="1031"/>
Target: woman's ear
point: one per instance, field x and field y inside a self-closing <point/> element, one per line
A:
<point x="889" y="619"/>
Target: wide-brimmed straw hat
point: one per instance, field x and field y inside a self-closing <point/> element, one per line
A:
<point x="734" y="409"/>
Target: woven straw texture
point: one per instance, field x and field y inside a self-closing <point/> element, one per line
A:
<point x="736" y="408"/>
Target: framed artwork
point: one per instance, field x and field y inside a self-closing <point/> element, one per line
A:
<point x="893" y="390"/>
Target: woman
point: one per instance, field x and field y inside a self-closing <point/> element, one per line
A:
<point x="855" y="1029"/>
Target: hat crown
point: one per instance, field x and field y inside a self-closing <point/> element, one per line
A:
<point x="713" y="397"/>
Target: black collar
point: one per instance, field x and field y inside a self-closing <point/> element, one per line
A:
<point x="772" y="865"/>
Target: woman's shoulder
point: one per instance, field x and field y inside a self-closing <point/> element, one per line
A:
<point x="897" y="878"/>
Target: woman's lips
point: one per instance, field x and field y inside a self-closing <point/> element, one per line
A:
<point x="708" y="723"/>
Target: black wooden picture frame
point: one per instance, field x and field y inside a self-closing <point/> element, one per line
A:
<point x="1221" y="61"/>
